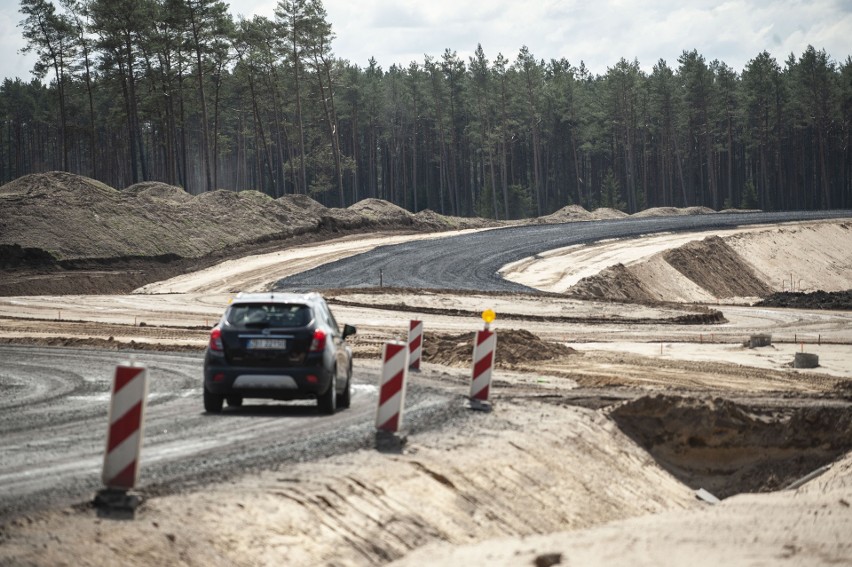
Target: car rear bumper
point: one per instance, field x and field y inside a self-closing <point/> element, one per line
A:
<point x="271" y="383"/>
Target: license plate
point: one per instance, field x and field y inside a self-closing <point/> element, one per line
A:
<point x="266" y="344"/>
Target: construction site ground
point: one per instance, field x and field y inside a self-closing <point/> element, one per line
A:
<point x="609" y="416"/>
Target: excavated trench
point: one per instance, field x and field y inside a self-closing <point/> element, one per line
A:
<point x="727" y="448"/>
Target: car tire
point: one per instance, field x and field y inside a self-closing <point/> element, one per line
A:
<point x="234" y="401"/>
<point x="344" y="399"/>
<point x="212" y="402"/>
<point x="327" y="402"/>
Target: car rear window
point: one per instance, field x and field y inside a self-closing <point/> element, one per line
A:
<point x="269" y="315"/>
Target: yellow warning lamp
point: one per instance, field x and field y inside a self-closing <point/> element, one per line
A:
<point x="488" y="316"/>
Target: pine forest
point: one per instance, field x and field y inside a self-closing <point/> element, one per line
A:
<point x="181" y="92"/>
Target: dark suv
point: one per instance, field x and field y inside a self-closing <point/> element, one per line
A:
<point x="280" y="346"/>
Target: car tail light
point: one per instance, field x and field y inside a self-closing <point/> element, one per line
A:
<point x="318" y="344"/>
<point x="216" y="339"/>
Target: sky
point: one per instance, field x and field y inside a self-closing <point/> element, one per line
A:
<point x="598" y="32"/>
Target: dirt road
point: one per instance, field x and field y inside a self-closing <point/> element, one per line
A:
<point x="57" y="396"/>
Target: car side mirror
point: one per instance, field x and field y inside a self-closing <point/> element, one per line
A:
<point x="349" y="330"/>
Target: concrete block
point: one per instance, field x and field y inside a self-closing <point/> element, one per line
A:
<point x="805" y="360"/>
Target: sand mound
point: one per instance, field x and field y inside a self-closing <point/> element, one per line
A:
<point x="436" y="221"/>
<point x="431" y="218"/>
<point x="513" y="346"/>
<point x="157" y="190"/>
<point x="378" y="208"/>
<point x="64" y="215"/>
<point x="615" y="282"/>
<point x="335" y="219"/>
<point x="699" y="211"/>
<point x="301" y="203"/>
<point x="69" y="217"/>
<point x="566" y="214"/>
<point x="256" y="196"/>
<point x="710" y="267"/>
<point x="605" y="213"/>
<point x="717" y="268"/>
<point x="216" y="199"/>
<point x="673" y="211"/>
<point x="58" y="186"/>
<point x="740" y="267"/>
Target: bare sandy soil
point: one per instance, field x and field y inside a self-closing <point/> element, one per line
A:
<point x="548" y="460"/>
<point x="740" y="265"/>
<point x="608" y="416"/>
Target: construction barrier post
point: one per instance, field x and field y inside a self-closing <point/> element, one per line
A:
<point x="392" y="397"/>
<point x="484" y="348"/>
<point x="415" y="344"/>
<point x="124" y="436"/>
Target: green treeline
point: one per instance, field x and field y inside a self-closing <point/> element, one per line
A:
<point x="178" y="91"/>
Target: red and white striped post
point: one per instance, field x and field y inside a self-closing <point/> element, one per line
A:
<point x="392" y="387"/>
<point x="415" y="344"/>
<point x="126" y="416"/>
<point x="484" y="349"/>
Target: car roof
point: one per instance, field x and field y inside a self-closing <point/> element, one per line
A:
<point x="277" y="297"/>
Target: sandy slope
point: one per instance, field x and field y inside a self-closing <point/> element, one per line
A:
<point x="809" y="526"/>
<point x="800" y="257"/>
<point x="813" y="255"/>
<point x="558" y="270"/>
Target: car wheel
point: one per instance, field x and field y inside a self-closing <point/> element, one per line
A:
<point x="327" y="402"/>
<point x="234" y="401"/>
<point x="212" y="402"/>
<point x="344" y="399"/>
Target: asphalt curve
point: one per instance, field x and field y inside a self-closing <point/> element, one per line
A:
<point x="471" y="261"/>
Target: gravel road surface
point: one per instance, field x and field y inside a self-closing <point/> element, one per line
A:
<point x="53" y="424"/>
<point x="471" y="261"/>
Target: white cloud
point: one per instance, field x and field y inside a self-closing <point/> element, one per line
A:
<point x="395" y="16"/>
<point x="12" y="62"/>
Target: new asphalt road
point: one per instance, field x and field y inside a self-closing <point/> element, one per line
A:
<point x="471" y="261"/>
